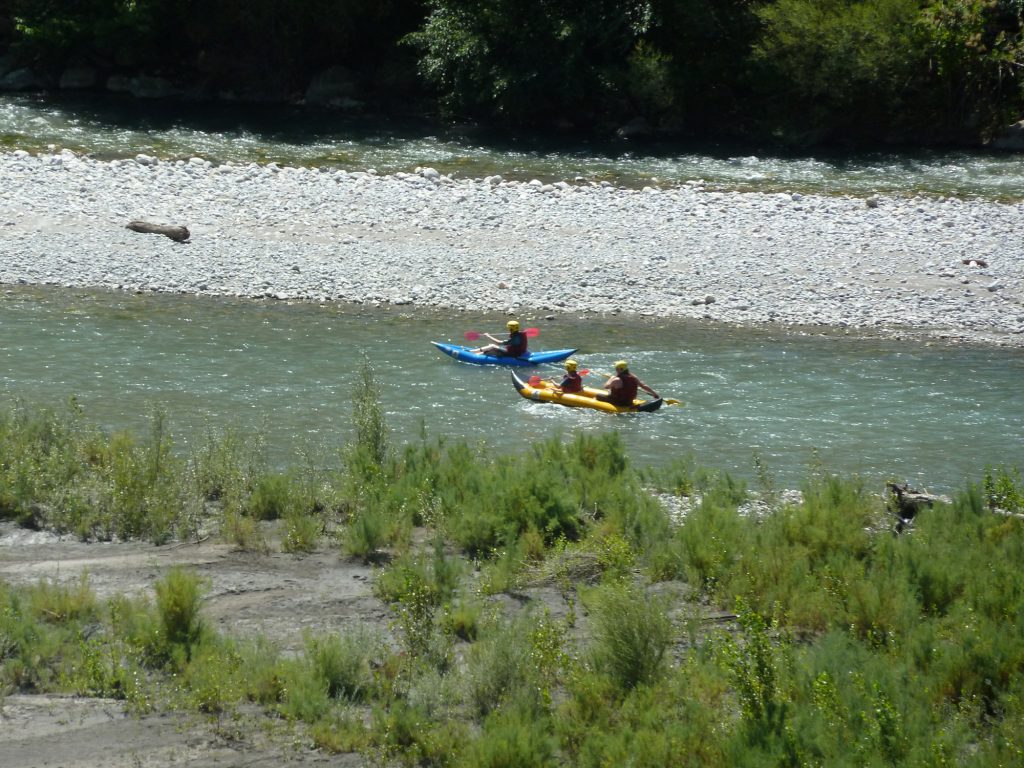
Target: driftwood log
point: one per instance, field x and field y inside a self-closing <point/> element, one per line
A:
<point x="909" y="502"/>
<point x="177" y="233"/>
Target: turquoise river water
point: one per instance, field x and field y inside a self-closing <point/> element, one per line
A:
<point x="934" y="415"/>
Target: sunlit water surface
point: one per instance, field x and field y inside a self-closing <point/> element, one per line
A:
<point x="933" y="415"/>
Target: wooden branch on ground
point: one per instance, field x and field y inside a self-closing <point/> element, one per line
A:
<point x="909" y="501"/>
<point x="177" y="233"/>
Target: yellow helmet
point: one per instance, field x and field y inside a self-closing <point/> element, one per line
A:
<point x="621" y="365"/>
<point x="570" y="365"/>
<point x="512" y="325"/>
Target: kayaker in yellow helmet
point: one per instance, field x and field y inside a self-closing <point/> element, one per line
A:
<point x="572" y="381"/>
<point x="514" y="346"/>
<point x="622" y="387"/>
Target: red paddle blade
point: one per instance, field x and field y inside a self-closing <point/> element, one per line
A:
<point x="534" y="381"/>
<point x="532" y="332"/>
<point x="471" y="335"/>
<point x="584" y="372"/>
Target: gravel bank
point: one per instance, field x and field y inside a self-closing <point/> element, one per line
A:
<point x="950" y="268"/>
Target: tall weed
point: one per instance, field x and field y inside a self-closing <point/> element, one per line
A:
<point x="225" y="465"/>
<point x="343" y="662"/>
<point x="500" y="667"/>
<point x="631" y="635"/>
<point x="513" y="738"/>
<point x="179" y="597"/>
<point x="368" y="453"/>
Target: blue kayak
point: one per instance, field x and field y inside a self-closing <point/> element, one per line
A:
<point x="466" y="355"/>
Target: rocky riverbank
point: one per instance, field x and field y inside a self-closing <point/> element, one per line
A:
<point x="948" y="268"/>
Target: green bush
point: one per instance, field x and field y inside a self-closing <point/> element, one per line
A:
<point x="369" y="452"/>
<point x="710" y="540"/>
<point x="343" y="662"/>
<point x="270" y="498"/>
<point x="513" y="738"/>
<point x="406" y="733"/>
<point x="500" y="667"/>
<point x="178" y="600"/>
<point x="631" y="635"/>
<point x="365" y="534"/>
<point x="302" y="532"/>
<point x="305" y="697"/>
<point x="225" y="465"/>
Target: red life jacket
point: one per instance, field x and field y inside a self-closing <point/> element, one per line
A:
<point x="572" y="382"/>
<point x="626" y="394"/>
<point x="516" y="344"/>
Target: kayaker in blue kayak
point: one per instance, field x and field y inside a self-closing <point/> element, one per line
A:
<point x="572" y="381"/>
<point x="623" y="386"/>
<point x="514" y="346"/>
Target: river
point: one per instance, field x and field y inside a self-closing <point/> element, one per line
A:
<point x="935" y="415"/>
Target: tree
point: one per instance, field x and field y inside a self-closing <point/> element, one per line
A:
<point x="836" y="69"/>
<point x="975" y="52"/>
<point x="531" y="61"/>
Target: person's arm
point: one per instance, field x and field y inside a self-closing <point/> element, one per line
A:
<point x="612" y="383"/>
<point x="496" y="341"/>
<point x="647" y="389"/>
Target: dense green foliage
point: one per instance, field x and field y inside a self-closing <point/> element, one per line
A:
<point x="917" y="71"/>
<point x="809" y="633"/>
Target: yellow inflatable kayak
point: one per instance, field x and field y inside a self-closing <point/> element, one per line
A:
<point x="545" y="392"/>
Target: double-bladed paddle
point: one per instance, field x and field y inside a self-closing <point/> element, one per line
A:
<point x="474" y="335"/>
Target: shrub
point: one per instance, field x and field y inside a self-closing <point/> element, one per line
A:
<point x="513" y="738"/>
<point x="500" y="667"/>
<point x="368" y="453"/>
<point x="407" y="731"/>
<point x="59" y="604"/>
<point x="340" y="732"/>
<point x="1004" y="489"/>
<point x="305" y="696"/>
<point x="463" y="618"/>
<point x="270" y="498"/>
<point x="365" y="534"/>
<point x="225" y="465"/>
<point x="302" y="532"/>
<point x="211" y="678"/>
<point x="710" y="539"/>
<point x="631" y="635"/>
<point x="263" y="681"/>
<point x="244" y="532"/>
<point x="343" y="662"/>
<point x="178" y="598"/>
